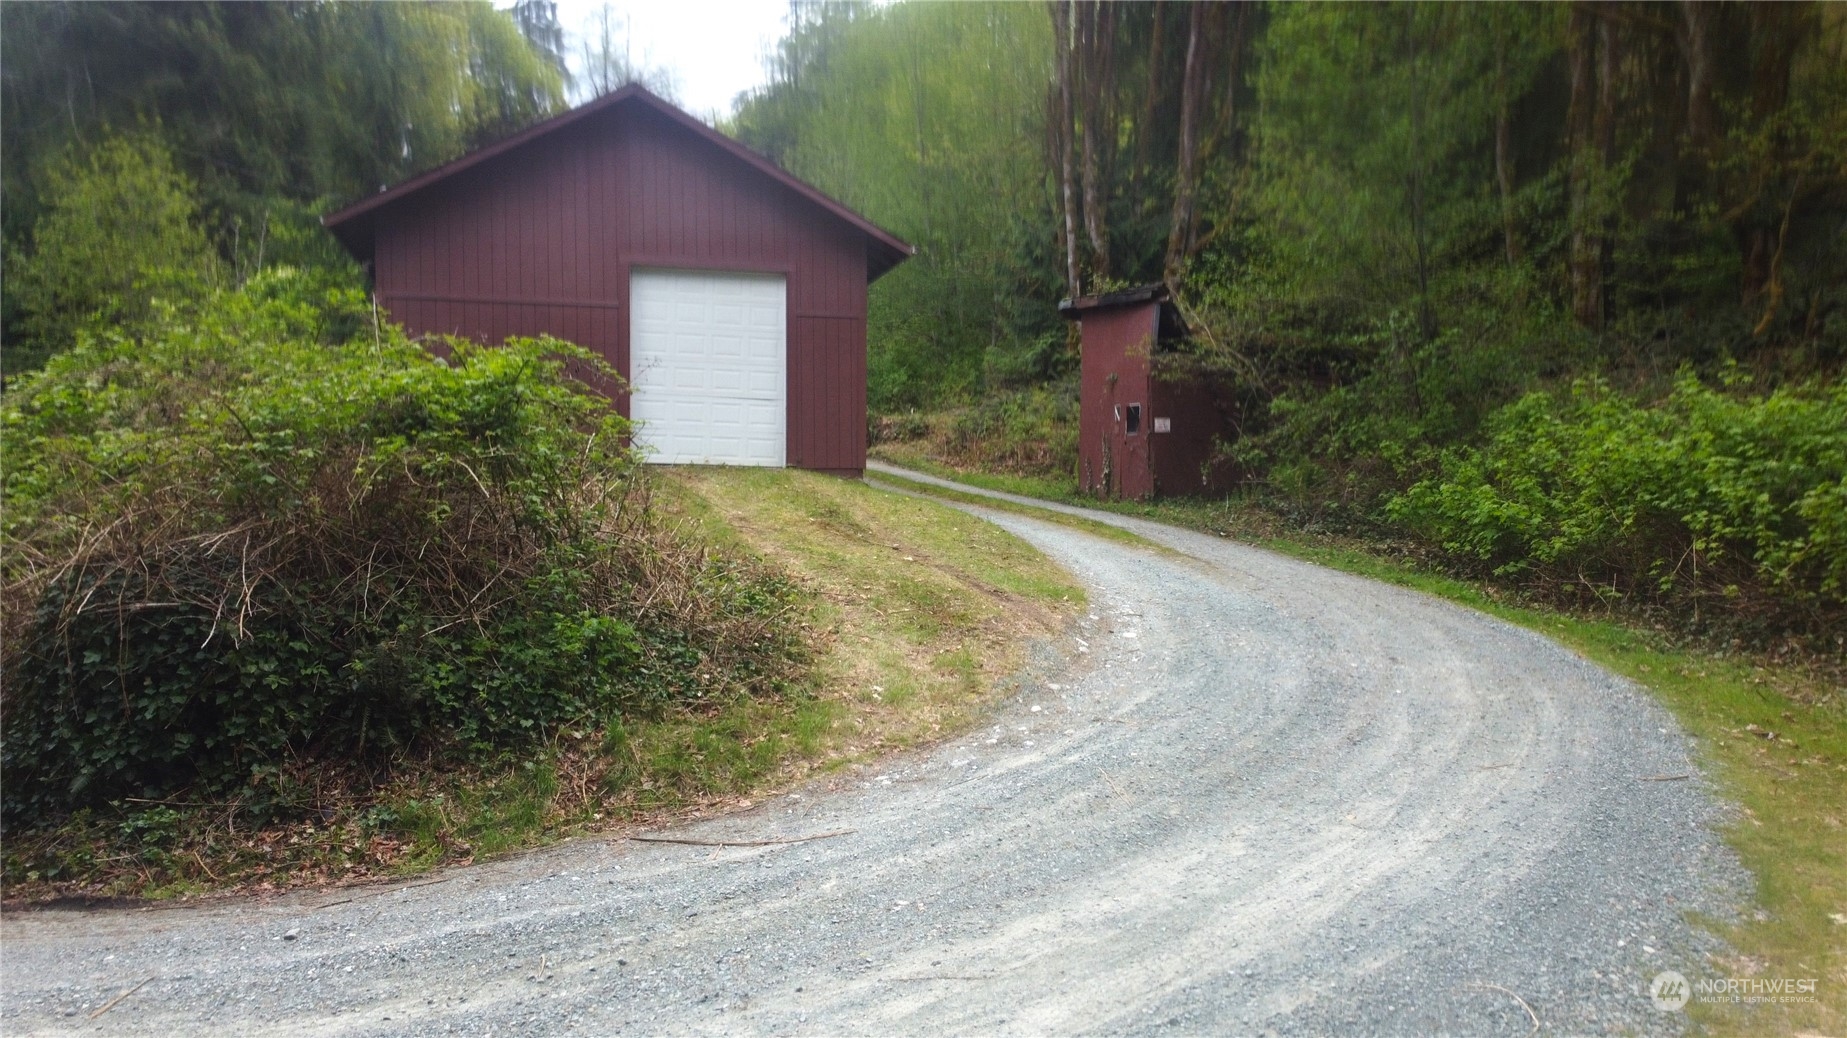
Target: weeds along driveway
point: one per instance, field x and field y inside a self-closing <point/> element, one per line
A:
<point x="1249" y="794"/>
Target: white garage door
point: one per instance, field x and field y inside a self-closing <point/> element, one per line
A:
<point x="708" y="366"/>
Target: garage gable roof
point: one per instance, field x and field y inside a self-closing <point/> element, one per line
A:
<point x="354" y="225"/>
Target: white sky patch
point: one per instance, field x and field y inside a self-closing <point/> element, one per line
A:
<point x="713" y="49"/>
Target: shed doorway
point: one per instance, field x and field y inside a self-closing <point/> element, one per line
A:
<point x="709" y="354"/>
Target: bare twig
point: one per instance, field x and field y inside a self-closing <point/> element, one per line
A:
<point x="377" y="893"/>
<point x="1529" y="1009"/>
<point x="742" y="843"/>
<point x="485" y="492"/>
<point x="1665" y="778"/>
<point x="180" y="803"/>
<point x="243" y="580"/>
<point x="112" y="1003"/>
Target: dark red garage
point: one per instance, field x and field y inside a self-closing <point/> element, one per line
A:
<point x="731" y="295"/>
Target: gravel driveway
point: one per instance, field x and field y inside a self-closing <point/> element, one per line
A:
<point x="1248" y="795"/>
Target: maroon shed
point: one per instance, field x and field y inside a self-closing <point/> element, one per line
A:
<point x="1148" y="420"/>
<point x="730" y="295"/>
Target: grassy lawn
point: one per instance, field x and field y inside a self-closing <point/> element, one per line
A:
<point x="917" y="614"/>
<point x="1075" y="522"/>
<point x="1774" y="737"/>
<point x="923" y="609"/>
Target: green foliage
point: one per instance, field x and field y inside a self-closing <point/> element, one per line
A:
<point x="1372" y="300"/>
<point x="267" y="530"/>
<point x="262" y="102"/>
<point x="1025" y="432"/>
<point x="926" y="118"/>
<point x="1702" y="493"/>
<point x="1374" y="390"/>
<point x="1409" y="278"/>
<point x="1376" y="164"/>
<point x="120" y="228"/>
<point x="1409" y="217"/>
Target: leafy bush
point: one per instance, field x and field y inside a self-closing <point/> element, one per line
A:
<point x="120" y="229"/>
<point x="1707" y="491"/>
<point x="1024" y="432"/>
<point x="1032" y="431"/>
<point x="249" y="537"/>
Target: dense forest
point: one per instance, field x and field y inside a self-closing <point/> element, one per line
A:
<point x="240" y="124"/>
<point x="1334" y="187"/>
<point x="1552" y="291"/>
<point x="1555" y="289"/>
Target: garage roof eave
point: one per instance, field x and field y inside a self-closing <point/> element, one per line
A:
<point x="353" y="225"/>
<point x="882" y="257"/>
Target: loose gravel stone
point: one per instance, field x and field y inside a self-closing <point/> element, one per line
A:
<point x="1274" y="798"/>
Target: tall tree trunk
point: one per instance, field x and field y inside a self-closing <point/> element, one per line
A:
<point x="1584" y="261"/>
<point x="920" y="124"/>
<point x="1609" y="65"/>
<point x="1062" y="11"/>
<point x="1226" y="32"/>
<point x="1098" y="51"/>
<point x="1178" y="234"/>
<point x="1426" y="312"/>
<point x="1696" y="46"/>
<point x="1106" y="103"/>
<point x="1237" y="43"/>
<point x="1504" y="152"/>
<point x="1776" y="30"/>
<point x="1151" y="103"/>
<point x="1054" y="161"/>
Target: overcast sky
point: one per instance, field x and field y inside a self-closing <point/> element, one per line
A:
<point x="714" y="49"/>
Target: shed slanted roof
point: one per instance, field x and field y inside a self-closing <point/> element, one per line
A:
<point x="354" y="225"/>
<point x="1172" y="325"/>
<point x="1113" y="300"/>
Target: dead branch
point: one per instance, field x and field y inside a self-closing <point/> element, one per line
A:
<point x="1529" y="1009"/>
<point x="378" y="893"/>
<point x="112" y="1003"/>
<point x="741" y="843"/>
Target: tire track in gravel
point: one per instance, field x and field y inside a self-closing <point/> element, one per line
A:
<point x="1265" y="797"/>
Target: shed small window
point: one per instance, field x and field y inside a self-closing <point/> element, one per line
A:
<point x="1134" y="422"/>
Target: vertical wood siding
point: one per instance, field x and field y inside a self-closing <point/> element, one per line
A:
<point x="543" y="240"/>
<point x="1113" y="373"/>
<point x="1199" y="413"/>
<point x="1119" y="368"/>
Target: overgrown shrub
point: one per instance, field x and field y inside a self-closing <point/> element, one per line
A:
<point x="1024" y="432"/>
<point x="253" y="535"/>
<point x="120" y="229"/>
<point x="1706" y="493"/>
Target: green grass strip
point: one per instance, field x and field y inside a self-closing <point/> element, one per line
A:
<point x="1051" y="515"/>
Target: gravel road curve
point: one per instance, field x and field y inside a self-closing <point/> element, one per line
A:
<point x="1248" y="795"/>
